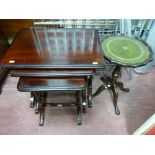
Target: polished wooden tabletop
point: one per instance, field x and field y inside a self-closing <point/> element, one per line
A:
<point x="54" y="48"/>
<point x="45" y="84"/>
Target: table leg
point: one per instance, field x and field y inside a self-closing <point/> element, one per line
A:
<point x="43" y="98"/>
<point x="112" y="83"/>
<point x="99" y="90"/>
<point x="90" y="78"/>
<point x="115" y="97"/>
<point x="79" y="104"/>
<point x="121" y="86"/>
<point x="3" y="75"/>
<point x="84" y="101"/>
<point x="36" y="105"/>
<point x="32" y="100"/>
<point x="42" y="113"/>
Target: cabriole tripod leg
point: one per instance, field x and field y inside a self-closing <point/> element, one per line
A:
<point x="121" y="86"/>
<point x="115" y="97"/>
<point x="99" y="90"/>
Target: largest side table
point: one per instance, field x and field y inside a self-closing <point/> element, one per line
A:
<point x="49" y="49"/>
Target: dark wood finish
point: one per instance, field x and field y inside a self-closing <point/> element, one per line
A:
<point x="3" y="75"/>
<point x="89" y="96"/>
<point x="48" y="84"/>
<point x="3" y="48"/>
<point x="38" y="49"/>
<point x="11" y="26"/>
<point x="54" y="48"/>
<point x="3" y="45"/>
<point x="39" y="87"/>
<point x="111" y="83"/>
<point x="79" y="108"/>
<point x="88" y="74"/>
<point x="51" y="73"/>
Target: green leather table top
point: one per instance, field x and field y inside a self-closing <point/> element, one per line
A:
<point x="125" y="50"/>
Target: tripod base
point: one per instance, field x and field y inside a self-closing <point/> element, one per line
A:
<point x="112" y="84"/>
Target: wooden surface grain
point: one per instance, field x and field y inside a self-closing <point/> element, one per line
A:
<point x="45" y="84"/>
<point x="11" y="26"/>
<point x="54" y="48"/>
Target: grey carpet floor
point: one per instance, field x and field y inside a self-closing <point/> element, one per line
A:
<point x="17" y="118"/>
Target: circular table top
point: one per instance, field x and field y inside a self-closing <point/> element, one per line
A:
<point x="126" y="50"/>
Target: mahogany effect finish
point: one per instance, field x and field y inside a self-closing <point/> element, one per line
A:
<point x="51" y="73"/>
<point x="54" y="48"/>
<point x="3" y="49"/>
<point x="11" y="26"/>
<point x="3" y="45"/>
<point x="48" y="84"/>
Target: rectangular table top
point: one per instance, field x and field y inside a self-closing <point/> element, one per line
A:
<point x="54" y="48"/>
<point x="46" y="84"/>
